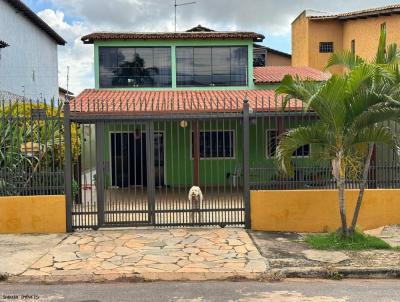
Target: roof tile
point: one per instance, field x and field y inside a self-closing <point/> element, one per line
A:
<point x="275" y="74"/>
<point x="93" y="101"/>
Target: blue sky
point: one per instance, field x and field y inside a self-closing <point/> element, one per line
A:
<point x="74" y="18"/>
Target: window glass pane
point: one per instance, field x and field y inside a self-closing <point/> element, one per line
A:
<point x="202" y="61"/>
<point x="221" y="61"/>
<point x="211" y="66"/>
<point x="326" y="47"/>
<point x="135" y="67"/>
<point x="272" y="142"/>
<point x="215" y="144"/>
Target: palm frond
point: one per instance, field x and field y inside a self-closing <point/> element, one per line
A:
<point x="296" y="138"/>
<point x="346" y="59"/>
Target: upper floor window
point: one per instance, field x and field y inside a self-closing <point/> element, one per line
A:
<point x="211" y="66"/>
<point x="325" y="47"/>
<point x="134" y="67"/>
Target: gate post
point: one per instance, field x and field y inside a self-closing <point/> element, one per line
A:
<point x="150" y="170"/>
<point x="99" y="132"/>
<point x="246" y="160"/>
<point x="68" y="166"/>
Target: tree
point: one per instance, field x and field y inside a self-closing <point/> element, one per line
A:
<point x="349" y="114"/>
<point x="387" y="57"/>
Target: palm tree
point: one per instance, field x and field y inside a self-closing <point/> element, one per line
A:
<point x="349" y="112"/>
<point x="387" y="57"/>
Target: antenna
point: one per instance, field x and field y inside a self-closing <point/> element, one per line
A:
<point x="67" y="94"/>
<point x="181" y="4"/>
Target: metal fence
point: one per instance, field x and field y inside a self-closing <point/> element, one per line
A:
<point x="132" y="162"/>
<point x="31" y="148"/>
<point x="138" y="159"/>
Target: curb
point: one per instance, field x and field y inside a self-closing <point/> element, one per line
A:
<point x="142" y="277"/>
<point x="339" y="272"/>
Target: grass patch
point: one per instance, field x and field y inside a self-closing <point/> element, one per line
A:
<point x="356" y="242"/>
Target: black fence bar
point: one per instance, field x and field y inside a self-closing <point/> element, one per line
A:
<point x="246" y="159"/>
<point x="68" y="166"/>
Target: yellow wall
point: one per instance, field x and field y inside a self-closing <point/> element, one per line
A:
<point x="318" y="211"/>
<point x="366" y="34"/>
<point x="324" y="31"/>
<point x="300" y="41"/>
<point x="308" y="33"/>
<point x="32" y="214"/>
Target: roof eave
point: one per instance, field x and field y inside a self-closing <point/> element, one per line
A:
<point x="34" y="18"/>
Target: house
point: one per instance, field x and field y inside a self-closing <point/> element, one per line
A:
<point x="28" y="53"/>
<point x="64" y="93"/>
<point x="175" y="71"/>
<point x="262" y="55"/>
<point x="316" y="35"/>
<point x="266" y="56"/>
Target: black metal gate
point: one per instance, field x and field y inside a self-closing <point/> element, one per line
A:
<point x="137" y="170"/>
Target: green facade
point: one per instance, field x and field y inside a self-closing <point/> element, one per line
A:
<point x="173" y="44"/>
<point x="178" y="161"/>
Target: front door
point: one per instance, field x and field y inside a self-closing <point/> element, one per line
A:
<point x="129" y="162"/>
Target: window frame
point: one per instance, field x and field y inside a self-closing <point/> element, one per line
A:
<point x="246" y="84"/>
<point x="135" y="47"/>
<point x="233" y="131"/>
<point x="353" y="46"/>
<point x="277" y="142"/>
<point x="326" y="43"/>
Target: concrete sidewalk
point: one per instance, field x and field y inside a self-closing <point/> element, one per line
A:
<point x="185" y="254"/>
<point x="143" y="254"/>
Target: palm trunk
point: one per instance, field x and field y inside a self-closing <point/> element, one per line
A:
<point x="362" y="187"/>
<point x="340" y="181"/>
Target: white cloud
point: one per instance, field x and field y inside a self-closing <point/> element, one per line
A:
<point x="75" y="54"/>
<point x="269" y="17"/>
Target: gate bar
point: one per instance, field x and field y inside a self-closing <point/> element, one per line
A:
<point x="68" y="166"/>
<point x="246" y="159"/>
<point x="150" y="170"/>
<point x="99" y="129"/>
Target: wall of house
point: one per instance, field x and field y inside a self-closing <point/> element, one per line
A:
<point x="318" y="211"/>
<point x="29" y="65"/>
<point x="324" y="31"/>
<point x="178" y="160"/>
<point x="274" y="59"/>
<point x="366" y="34"/>
<point x="174" y="44"/>
<point x="300" y="36"/>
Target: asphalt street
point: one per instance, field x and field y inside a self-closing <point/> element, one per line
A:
<point x="288" y="291"/>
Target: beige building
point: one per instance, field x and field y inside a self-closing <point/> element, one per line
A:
<point x="316" y="35"/>
<point x="266" y="56"/>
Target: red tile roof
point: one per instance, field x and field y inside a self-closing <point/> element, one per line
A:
<point x="275" y="74"/>
<point x="93" y="101"/>
<point x="371" y="12"/>
<point x="104" y="36"/>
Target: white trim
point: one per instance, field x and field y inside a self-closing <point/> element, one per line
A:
<point x="143" y="131"/>
<point x="273" y="157"/>
<point x="215" y="158"/>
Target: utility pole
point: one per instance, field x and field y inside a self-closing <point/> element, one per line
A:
<point x="181" y="4"/>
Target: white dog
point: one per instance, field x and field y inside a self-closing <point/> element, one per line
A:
<point x="196" y="201"/>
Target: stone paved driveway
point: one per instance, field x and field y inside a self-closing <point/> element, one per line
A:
<point x="174" y="254"/>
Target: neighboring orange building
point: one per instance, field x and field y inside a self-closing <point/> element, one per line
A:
<point x="316" y="35"/>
